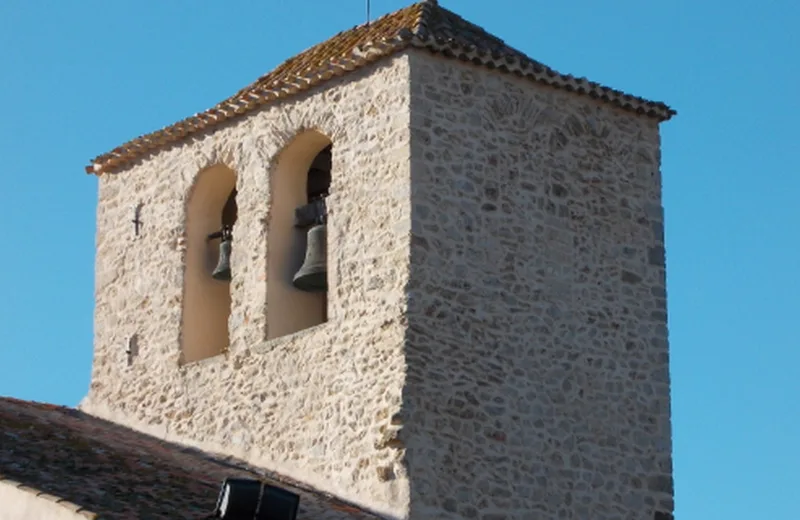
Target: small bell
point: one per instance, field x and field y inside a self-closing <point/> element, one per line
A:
<point x="313" y="274"/>
<point x="223" y="270"/>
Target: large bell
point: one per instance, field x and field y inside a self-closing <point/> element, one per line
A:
<point x="223" y="269"/>
<point x="313" y="274"/>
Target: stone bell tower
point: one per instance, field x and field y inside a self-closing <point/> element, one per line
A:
<point x="411" y="267"/>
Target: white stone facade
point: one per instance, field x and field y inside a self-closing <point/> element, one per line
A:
<point x="496" y="341"/>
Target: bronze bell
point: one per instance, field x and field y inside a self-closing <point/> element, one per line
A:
<point x="229" y="212"/>
<point x="313" y="274"/>
<point x="223" y="270"/>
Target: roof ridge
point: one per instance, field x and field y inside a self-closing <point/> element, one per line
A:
<point x="361" y="26"/>
<point x="426" y="8"/>
<point x="430" y="7"/>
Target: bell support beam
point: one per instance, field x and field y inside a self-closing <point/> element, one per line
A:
<point x="310" y="214"/>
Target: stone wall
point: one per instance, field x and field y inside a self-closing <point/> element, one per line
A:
<point x="311" y="405"/>
<point x="537" y="359"/>
<point x="20" y="502"/>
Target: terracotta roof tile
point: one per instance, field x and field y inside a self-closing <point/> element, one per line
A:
<point x="96" y="467"/>
<point x="424" y="25"/>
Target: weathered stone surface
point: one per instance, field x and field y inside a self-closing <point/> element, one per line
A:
<point x="533" y="387"/>
<point x="497" y="342"/>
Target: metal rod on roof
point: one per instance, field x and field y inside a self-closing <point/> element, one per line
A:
<point x="367" y="12"/>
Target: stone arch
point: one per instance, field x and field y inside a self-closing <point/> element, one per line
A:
<point x="289" y="309"/>
<point x="206" y="301"/>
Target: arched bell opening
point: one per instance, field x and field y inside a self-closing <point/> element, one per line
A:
<point x="297" y="283"/>
<point x="210" y="219"/>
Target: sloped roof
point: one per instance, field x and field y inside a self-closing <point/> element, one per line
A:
<point x="105" y="470"/>
<point x="424" y="25"/>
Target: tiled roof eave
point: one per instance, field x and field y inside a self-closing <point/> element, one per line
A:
<point x="227" y="110"/>
<point x="419" y="34"/>
<point x="542" y="74"/>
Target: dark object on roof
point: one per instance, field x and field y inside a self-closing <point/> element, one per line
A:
<point x="251" y="499"/>
<point x="423" y="25"/>
<point x="100" y="468"/>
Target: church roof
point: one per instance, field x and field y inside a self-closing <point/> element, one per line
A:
<point x="424" y="25"/>
<point x="104" y="470"/>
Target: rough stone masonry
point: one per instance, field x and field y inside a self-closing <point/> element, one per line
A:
<point x="496" y="344"/>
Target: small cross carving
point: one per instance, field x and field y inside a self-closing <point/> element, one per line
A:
<point x="137" y="222"/>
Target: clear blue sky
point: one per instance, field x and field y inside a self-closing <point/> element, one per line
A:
<point x="79" y="78"/>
